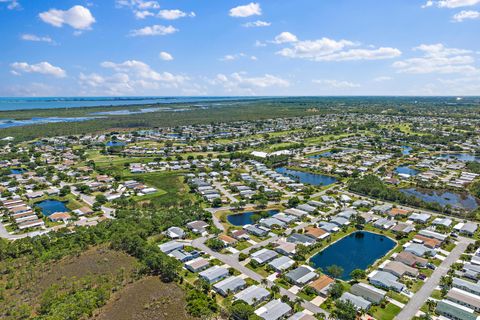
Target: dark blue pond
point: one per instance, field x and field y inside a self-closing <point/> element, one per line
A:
<point x="444" y="198"/>
<point x="406" y="170"/>
<point x="461" y="157"/>
<point x="307" y="177"/>
<point x="49" y="207"/>
<point x="321" y="155"/>
<point x="17" y="171"/>
<point x="406" y="150"/>
<point x="244" y="218"/>
<point x="115" y="144"/>
<point x="358" y="250"/>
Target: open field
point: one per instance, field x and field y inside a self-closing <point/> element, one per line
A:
<point x="145" y="299"/>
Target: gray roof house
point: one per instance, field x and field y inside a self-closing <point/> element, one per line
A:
<point x="175" y="233"/>
<point x="357" y="301"/>
<point x="466" y="286"/>
<point x="368" y="292"/>
<point x="301" y="275"/>
<point x="253" y="295"/>
<point x="229" y="285"/>
<point x="281" y="263"/>
<point x="307" y="208"/>
<point x="259" y="232"/>
<point x="274" y="310"/>
<point x="272" y="223"/>
<point x="171" y="246"/>
<point x="301" y="239"/>
<point x="214" y="274"/>
<point x="329" y="227"/>
<point x="386" y="280"/>
<point x="419" y="217"/>
<point x="263" y="256"/>
<point x="455" y="311"/>
<point x="420" y="250"/>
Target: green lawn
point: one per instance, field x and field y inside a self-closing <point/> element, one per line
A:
<point x="398" y="296"/>
<point x="388" y="313"/>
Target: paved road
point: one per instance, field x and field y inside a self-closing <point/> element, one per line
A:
<point x="226" y="192"/>
<point x="232" y="261"/>
<point x="419" y="298"/>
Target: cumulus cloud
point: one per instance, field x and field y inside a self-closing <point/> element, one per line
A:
<point x="140" y="8"/>
<point x="165" y="56"/>
<point x="450" y="3"/>
<point x="77" y="17"/>
<point x="257" y="24"/>
<point x="239" y="82"/>
<point x="155" y="30"/>
<point x="131" y="76"/>
<point x="285" y="37"/>
<point x="466" y="15"/>
<point x="35" y="38"/>
<point x="336" y="84"/>
<point x="12" y="4"/>
<point x="326" y="49"/>
<point x="231" y="57"/>
<point x="436" y="58"/>
<point x="44" y="67"/>
<point x="251" y="9"/>
<point x="174" y="14"/>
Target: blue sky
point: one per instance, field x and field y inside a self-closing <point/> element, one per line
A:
<point x="226" y="47"/>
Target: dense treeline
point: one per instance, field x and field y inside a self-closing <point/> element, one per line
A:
<point x="258" y="109"/>
<point x="373" y="186"/>
<point x="130" y="233"/>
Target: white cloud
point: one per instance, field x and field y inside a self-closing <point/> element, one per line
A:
<point x="450" y="3"/>
<point x="285" y="37"/>
<point x="437" y="58"/>
<point x="382" y="79"/>
<point x="78" y="17"/>
<point x="336" y="84"/>
<point x="142" y="14"/>
<point x="165" y="56"/>
<point x="155" y="30"/>
<point x="42" y="67"/>
<point x="174" y="14"/>
<point x="231" y="57"/>
<point x="140" y="8"/>
<point x="32" y="37"/>
<point x="466" y="15"/>
<point x="12" y="4"/>
<point x="326" y="49"/>
<point x="257" y="24"/>
<point x="239" y="82"/>
<point x="251" y="9"/>
<point x="142" y="71"/>
<point x="131" y="77"/>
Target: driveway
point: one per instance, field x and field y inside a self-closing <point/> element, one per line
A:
<point x="419" y="298"/>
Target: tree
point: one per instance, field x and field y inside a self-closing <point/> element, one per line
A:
<point x="241" y="311"/>
<point x="345" y="310"/>
<point x="336" y="290"/>
<point x="358" y="274"/>
<point x="335" y="271"/>
<point x="293" y="202"/>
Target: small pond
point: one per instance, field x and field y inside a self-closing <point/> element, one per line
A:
<point x="358" y="250"/>
<point x="307" y="177"/>
<point x="406" y="170"/>
<point x="462" y="201"/>
<point x="115" y="144"/>
<point x="244" y="218"/>
<point x="406" y="150"/>
<point x="321" y="155"/>
<point x="461" y="157"/>
<point x="17" y="171"/>
<point x="49" y="207"/>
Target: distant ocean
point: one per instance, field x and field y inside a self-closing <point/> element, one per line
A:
<point x="77" y="102"/>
